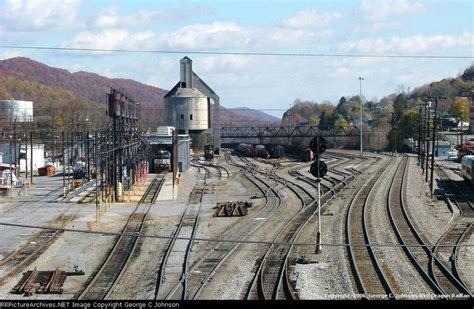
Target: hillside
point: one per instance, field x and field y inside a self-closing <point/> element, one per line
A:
<point x="83" y="93"/>
<point x="399" y="109"/>
<point x="256" y="113"/>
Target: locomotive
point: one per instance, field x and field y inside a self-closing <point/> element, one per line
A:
<point x="162" y="161"/>
<point x="209" y="152"/>
<point x="79" y="170"/>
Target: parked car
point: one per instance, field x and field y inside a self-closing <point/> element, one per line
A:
<point x="453" y="154"/>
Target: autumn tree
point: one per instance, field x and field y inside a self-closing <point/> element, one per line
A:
<point x="460" y="108"/>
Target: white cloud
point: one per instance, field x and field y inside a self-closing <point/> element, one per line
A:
<point x="310" y="18"/>
<point x="109" y="18"/>
<point x="207" y="36"/>
<point x="409" y="45"/>
<point x="225" y="63"/>
<point x="383" y="13"/>
<point x="377" y="10"/>
<point x="212" y="36"/>
<point x="115" y="38"/>
<point x="33" y="15"/>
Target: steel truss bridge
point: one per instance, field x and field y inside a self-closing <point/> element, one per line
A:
<point x="289" y="131"/>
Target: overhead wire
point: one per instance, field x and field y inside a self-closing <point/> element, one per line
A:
<point x="236" y="53"/>
<point x="240" y="241"/>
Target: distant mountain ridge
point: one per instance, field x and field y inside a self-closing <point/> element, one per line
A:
<point x="27" y="79"/>
<point x="256" y="113"/>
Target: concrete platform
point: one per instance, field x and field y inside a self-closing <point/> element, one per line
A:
<point x="166" y="193"/>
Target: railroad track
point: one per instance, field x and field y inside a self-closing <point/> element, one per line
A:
<point x="438" y="277"/>
<point x="458" y="192"/>
<point x="223" y="172"/>
<point x="32" y="249"/>
<point x="101" y="285"/>
<point x="271" y="281"/>
<point x="368" y="275"/>
<point x="200" y="272"/>
<point x="50" y="197"/>
<point x="446" y="251"/>
<point x="186" y="228"/>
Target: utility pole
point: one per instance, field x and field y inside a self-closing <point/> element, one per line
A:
<point x="435" y="100"/>
<point x="97" y="204"/>
<point x="427" y="138"/>
<point x="11" y="168"/>
<point x="361" y="112"/>
<point x="419" y="136"/>
<point x="64" y="165"/>
<point x="31" y="157"/>
<point x="26" y="157"/>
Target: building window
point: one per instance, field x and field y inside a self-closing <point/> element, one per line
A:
<point x="191" y="117"/>
<point x="182" y="116"/>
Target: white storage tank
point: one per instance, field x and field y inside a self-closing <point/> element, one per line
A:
<point x="187" y="108"/>
<point x="16" y="110"/>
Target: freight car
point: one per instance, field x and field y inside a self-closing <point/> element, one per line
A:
<point x="277" y="152"/>
<point x="467" y="167"/>
<point x="261" y="152"/>
<point x="307" y="155"/>
<point x="246" y="150"/>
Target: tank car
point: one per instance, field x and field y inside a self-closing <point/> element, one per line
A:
<point x="261" y="152"/>
<point x="246" y="150"/>
<point x="278" y="151"/>
<point x="307" y="155"/>
<point x="467" y="167"/>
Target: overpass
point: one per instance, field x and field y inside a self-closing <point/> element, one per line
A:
<point x="286" y="131"/>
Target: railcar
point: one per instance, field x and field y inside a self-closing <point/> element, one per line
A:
<point x="261" y="152"/>
<point x="307" y="155"/>
<point x="79" y="170"/>
<point x="162" y="161"/>
<point x="277" y="152"/>
<point x="467" y="168"/>
<point x="246" y="150"/>
<point x="209" y="152"/>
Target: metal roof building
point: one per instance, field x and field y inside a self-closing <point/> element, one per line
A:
<point x="188" y="107"/>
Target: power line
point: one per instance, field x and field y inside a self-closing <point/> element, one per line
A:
<point x="238" y="53"/>
<point x="240" y="241"/>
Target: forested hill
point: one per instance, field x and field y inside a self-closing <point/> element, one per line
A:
<point x="81" y="95"/>
<point x="402" y="106"/>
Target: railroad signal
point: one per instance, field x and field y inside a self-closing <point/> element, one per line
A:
<point x="318" y="145"/>
<point x="318" y="170"/>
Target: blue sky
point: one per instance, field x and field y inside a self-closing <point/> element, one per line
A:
<point x="269" y="83"/>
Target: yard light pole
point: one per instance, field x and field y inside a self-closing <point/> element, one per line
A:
<point x="361" y="111"/>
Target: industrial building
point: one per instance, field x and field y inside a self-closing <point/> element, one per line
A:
<point x="23" y="155"/>
<point x="162" y="139"/>
<point x="16" y="110"/>
<point x="188" y="107"/>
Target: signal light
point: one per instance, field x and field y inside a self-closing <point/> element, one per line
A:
<point x="318" y="145"/>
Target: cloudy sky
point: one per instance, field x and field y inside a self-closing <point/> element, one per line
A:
<point x="268" y="83"/>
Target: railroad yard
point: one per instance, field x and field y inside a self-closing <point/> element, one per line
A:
<point x="383" y="235"/>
